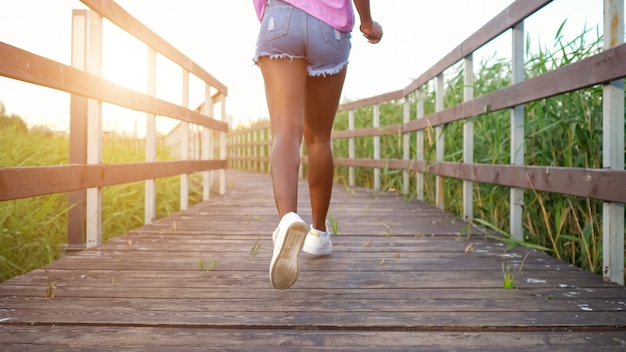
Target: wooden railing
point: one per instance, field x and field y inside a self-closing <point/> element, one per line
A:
<point x="249" y="148"/>
<point x="85" y="175"/>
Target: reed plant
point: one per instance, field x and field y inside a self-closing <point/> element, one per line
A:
<point x="33" y="231"/>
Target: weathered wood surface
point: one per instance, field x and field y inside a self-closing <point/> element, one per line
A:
<point x="401" y="277"/>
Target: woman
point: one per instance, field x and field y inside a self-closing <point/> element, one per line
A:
<point x="302" y="51"/>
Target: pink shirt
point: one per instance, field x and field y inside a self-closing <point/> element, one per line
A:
<point x="337" y="13"/>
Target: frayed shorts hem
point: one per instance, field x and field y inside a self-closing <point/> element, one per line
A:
<point x="310" y="71"/>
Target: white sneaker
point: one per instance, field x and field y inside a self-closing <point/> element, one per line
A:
<point x="288" y="240"/>
<point x="318" y="243"/>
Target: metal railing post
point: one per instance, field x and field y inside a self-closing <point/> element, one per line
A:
<point x="184" y="145"/>
<point x="439" y="142"/>
<point x="151" y="148"/>
<point x="419" y="145"/>
<point x="613" y="149"/>
<point x="351" y="151"/>
<point x="468" y="138"/>
<point x="377" y="147"/>
<point x="516" y="202"/>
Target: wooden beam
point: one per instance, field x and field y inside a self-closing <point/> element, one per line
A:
<point x="24" y="182"/>
<point x="22" y="65"/>
<point x="589" y="183"/>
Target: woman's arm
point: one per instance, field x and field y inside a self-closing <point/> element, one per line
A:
<point x="371" y="29"/>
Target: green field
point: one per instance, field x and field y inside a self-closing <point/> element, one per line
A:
<point x="33" y="231"/>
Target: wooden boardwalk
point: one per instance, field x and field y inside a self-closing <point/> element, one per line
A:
<point x="403" y="277"/>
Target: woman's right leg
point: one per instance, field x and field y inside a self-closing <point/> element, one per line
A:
<point x="322" y="98"/>
<point x="285" y="90"/>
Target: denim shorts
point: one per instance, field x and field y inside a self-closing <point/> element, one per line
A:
<point x="288" y="32"/>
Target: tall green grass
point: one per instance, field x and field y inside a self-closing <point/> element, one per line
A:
<point x="564" y="130"/>
<point x="33" y="231"/>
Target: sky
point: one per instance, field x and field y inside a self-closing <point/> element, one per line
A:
<point x="220" y="36"/>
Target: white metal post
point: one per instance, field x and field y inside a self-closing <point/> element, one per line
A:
<point x="94" y="131"/>
<point x="249" y="150"/>
<point x="223" y="144"/>
<point x="419" y="145"/>
<point x="613" y="149"/>
<point x="262" y="149"/>
<point x="406" y="147"/>
<point x="208" y="110"/>
<point x="78" y="134"/>
<point x="516" y="201"/>
<point x="468" y="138"/>
<point x="440" y="142"/>
<point x="151" y="149"/>
<point x="351" y="151"/>
<point x="184" y="145"/>
<point x="377" y="147"/>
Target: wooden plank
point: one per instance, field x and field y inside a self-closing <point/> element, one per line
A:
<point x="338" y="320"/>
<point x="175" y="338"/>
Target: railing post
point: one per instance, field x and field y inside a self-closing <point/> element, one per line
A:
<point x="78" y="134"/>
<point x="419" y="145"/>
<point x="516" y="201"/>
<point x="222" y="188"/>
<point x="196" y="142"/>
<point x="184" y="145"/>
<point x="86" y="55"/>
<point x="377" y="147"/>
<point x="86" y="139"/>
<point x="249" y="150"/>
<point x="439" y="142"/>
<point x="94" y="131"/>
<point x="262" y="150"/>
<point x="468" y="138"/>
<point x="613" y="149"/>
<point x="151" y="148"/>
<point x="255" y="150"/>
<point x="406" y="147"/>
<point x="239" y="151"/>
<point x="208" y="108"/>
<point x="351" y="152"/>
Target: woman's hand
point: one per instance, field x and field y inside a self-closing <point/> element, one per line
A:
<point x="373" y="31"/>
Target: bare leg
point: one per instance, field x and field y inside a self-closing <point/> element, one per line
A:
<point x="322" y="99"/>
<point x="285" y="89"/>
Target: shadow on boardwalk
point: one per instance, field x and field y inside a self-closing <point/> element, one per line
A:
<point x="402" y="276"/>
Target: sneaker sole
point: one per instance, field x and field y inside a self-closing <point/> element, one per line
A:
<point x="284" y="269"/>
<point x="317" y="252"/>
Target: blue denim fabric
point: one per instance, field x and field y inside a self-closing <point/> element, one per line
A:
<point x="288" y="32"/>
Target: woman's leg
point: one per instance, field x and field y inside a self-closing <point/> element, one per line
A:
<point x="322" y="99"/>
<point x="285" y="90"/>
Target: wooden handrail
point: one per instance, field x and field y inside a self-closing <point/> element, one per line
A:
<point x="42" y="180"/>
<point x="28" y="67"/>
